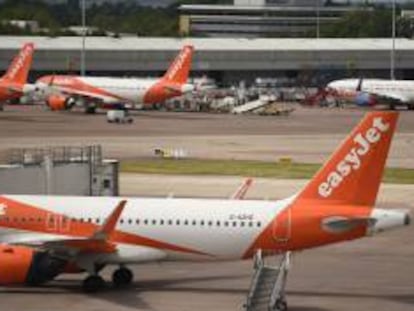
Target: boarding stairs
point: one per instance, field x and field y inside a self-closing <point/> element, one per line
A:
<point x="250" y="106"/>
<point x="267" y="290"/>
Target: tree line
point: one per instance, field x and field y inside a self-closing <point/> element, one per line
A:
<point x="131" y="18"/>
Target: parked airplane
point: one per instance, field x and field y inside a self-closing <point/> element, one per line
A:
<point x="45" y="236"/>
<point x="13" y="84"/>
<point x="62" y="92"/>
<point x="372" y="92"/>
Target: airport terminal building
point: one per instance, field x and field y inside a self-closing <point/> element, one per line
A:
<point x="226" y="60"/>
<point x="259" y="18"/>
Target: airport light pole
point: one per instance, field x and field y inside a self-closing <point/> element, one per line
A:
<point x="82" y="62"/>
<point x="318" y="26"/>
<point x="394" y="30"/>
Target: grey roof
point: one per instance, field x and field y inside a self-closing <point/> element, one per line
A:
<point x="252" y="8"/>
<point x="204" y="44"/>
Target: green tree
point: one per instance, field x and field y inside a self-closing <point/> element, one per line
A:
<point x="360" y="24"/>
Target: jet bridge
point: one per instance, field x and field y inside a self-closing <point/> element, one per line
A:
<point x="62" y="170"/>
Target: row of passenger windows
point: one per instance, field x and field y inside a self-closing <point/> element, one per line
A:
<point x="161" y="222"/>
<point x="119" y="87"/>
<point x="186" y="222"/>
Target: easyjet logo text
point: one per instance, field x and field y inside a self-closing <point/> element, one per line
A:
<point x="61" y="81"/>
<point x="17" y="66"/>
<point x="352" y="161"/>
<point x="178" y="64"/>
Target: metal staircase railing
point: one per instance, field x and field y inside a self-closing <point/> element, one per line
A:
<point x="267" y="289"/>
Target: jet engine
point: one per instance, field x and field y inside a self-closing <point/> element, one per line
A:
<point x="60" y="102"/>
<point x="23" y="265"/>
<point x="365" y="100"/>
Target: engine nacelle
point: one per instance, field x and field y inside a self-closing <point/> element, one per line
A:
<point x="365" y="100"/>
<point x="23" y="265"/>
<point x="60" y="102"/>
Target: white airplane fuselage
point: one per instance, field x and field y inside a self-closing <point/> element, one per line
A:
<point x="131" y="90"/>
<point x="348" y="88"/>
<point x="109" y="90"/>
<point x="209" y="229"/>
<point x="152" y="229"/>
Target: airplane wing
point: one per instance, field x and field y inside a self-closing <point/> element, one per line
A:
<point x="55" y="85"/>
<point x="99" y="242"/>
<point x="88" y="96"/>
<point x="389" y="96"/>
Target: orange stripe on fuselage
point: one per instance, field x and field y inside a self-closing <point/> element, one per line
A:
<point x="22" y="216"/>
<point x="72" y="84"/>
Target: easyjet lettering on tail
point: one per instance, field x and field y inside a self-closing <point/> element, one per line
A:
<point x="180" y="66"/>
<point x="353" y="160"/>
<point x="19" y="68"/>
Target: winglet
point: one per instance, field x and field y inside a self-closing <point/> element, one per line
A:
<point x="109" y="226"/>
<point x="240" y="193"/>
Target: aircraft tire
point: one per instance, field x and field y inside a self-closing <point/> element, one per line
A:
<point x="90" y="110"/>
<point x="281" y="305"/>
<point x="93" y="284"/>
<point x="122" y="277"/>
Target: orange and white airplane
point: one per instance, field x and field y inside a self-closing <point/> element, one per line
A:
<point x="62" y="92"/>
<point x="373" y="92"/>
<point x="14" y="82"/>
<point x="44" y="236"/>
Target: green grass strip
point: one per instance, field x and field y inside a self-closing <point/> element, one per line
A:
<point x="281" y="169"/>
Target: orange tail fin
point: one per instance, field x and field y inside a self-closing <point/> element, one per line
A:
<point x="353" y="173"/>
<point x="180" y="67"/>
<point x="20" y="66"/>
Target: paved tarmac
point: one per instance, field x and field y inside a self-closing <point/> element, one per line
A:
<point x="308" y="135"/>
<point x="375" y="273"/>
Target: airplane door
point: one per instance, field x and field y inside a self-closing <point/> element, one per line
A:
<point x="51" y="222"/>
<point x="64" y="224"/>
<point x="282" y="227"/>
<point x="57" y="223"/>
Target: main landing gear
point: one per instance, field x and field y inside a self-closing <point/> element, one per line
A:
<point x="121" y="277"/>
<point x="93" y="284"/>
